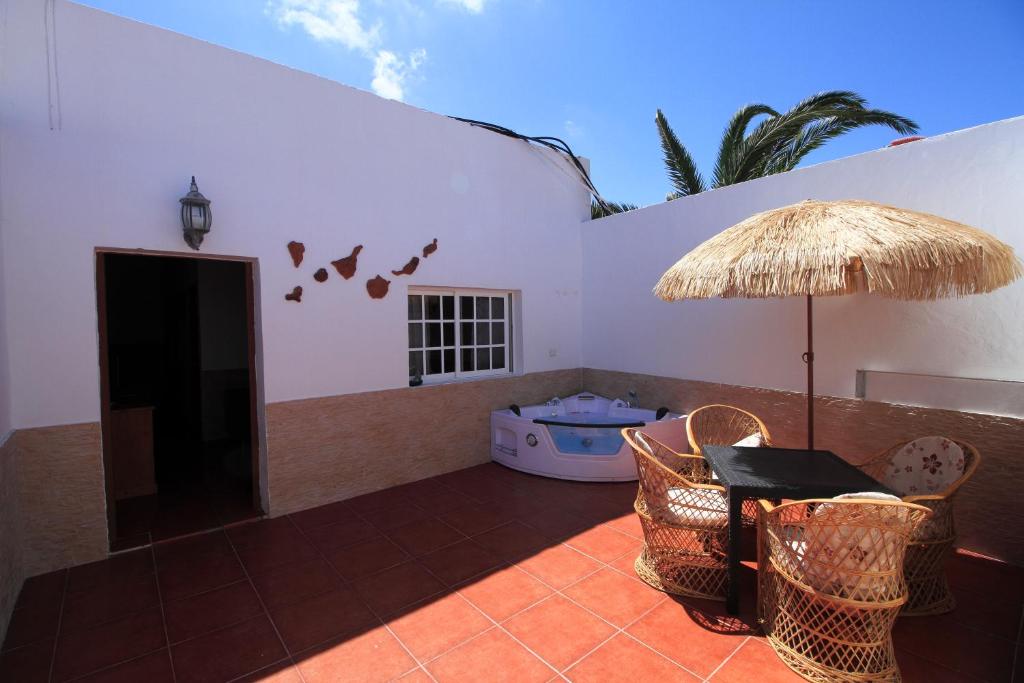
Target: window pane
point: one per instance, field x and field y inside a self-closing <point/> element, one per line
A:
<point x="497" y="307"/>
<point x="483" y="333"/>
<point x="466" y="307"/>
<point x="415" y="335"/>
<point x="498" y="357"/>
<point x="483" y="307"/>
<point x="449" y="333"/>
<point x="449" y="360"/>
<point x="415" y="363"/>
<point x="467" y="334"/>
<point x="448" y="307"/>
<point x="467" y="360"/>
<point x="433" y="334"/>
<point x="434" y="362"/>
<point x="433" y="305"/>
<point x="483" y="359"/>
<point x="415" y="307"/>
<point x="497" y="333"/>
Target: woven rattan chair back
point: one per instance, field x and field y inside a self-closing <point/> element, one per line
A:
<point x="933" y="541"/>
<point x="830" y="584"/>
<point x="684" y="519"/>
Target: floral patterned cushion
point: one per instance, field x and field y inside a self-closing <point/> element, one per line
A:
<point x="924" y="466"/>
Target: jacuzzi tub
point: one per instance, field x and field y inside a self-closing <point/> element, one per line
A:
<point x="578" y="437"/>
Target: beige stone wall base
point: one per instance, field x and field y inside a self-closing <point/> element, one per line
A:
<point x="989" y="509"/>
<point x="12" y="570"/>
<point x="327" y="449"/>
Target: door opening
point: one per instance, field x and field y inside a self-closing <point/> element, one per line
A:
<point x="178" y="394"/>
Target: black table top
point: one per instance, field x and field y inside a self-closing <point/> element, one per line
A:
<point x="787" y="473"/>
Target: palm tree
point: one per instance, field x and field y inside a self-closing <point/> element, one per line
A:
<point x="608" y="208"/>
<point x="777" y="143"/>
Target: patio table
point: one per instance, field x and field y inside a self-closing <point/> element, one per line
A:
<point x="778" y="473"/>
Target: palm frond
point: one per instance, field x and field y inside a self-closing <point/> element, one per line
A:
<point x="609" y="208"/>
<point x="682" y="169"/>
<point x="732" y="140"/>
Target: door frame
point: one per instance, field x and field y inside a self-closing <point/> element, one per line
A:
<point x="257" y="407"/>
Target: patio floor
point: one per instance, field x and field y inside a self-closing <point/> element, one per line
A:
<point x="480" y="575"/>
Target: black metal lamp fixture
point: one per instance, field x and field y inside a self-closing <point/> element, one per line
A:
<point x="196" y="218"/>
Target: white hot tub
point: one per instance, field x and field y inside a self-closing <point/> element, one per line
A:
<point x="578" y="437"/>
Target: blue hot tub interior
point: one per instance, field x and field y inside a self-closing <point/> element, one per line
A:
<point x="586" y="436"/>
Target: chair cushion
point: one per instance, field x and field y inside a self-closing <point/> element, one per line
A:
<point x="755" y="440"/>
<point x="638" y="436"/>
<point x="702" y="508"/>
<point x="924" y="466"/>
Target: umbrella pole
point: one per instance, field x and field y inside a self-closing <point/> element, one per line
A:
<point x="809" y="359"/>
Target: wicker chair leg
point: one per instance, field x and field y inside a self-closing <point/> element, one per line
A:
<point x="925" y="572"/>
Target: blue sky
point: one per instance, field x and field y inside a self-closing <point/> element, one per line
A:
<point x="594" y="71"/>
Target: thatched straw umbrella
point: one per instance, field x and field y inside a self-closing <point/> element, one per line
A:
<point x="817" y="248"/>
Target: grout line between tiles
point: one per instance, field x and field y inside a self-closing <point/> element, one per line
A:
<point x="60" y="619"/>
<point x="163" y="616"/>
<point x="726" y="660"/>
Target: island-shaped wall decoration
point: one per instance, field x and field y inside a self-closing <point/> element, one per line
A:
<point x="346" y="267"/>
<point x="320" y="275"/>
<point x="296" y="250"/>
<point x="430" y="248"/>
<point x="409" y="268"/>
<point x="295" y="296"/>
<point x="377" y="288"/>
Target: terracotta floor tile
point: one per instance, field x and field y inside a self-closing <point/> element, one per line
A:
<point x="995" y="581"/>
<point x="331" y="513"/>
<point x="559" y="631"/>
<point x="513" y="541"/>
<point x="280" y="672"/>
<point x="955" y="646"/>
<point x="505" y="592"/>
<point x="215" y="542"/>
<point x="996" y="617"/>
<point x="322" y="617"/>
<point x="152" y="668"/>
<point x="627" y="563"/>
<point x="416" y="676"/>
<point x="671" y="630"/>
<point x="43" y="590"/>
<point x="228" y="653"/>
<point x="386" y="499"/>
<point x="914" y="668"/>
<point x="113" y="571"/>
<point x="31" y="624"/>
<point x="438" y="625"/>
<point x="108" y="602"/>
<point x="557" y="525"/>
<point x="200" y="614"/>
<point x="494" y="657"/>
<point x="623" y="660"/>
<point x="82" y="652"/>
<point x="295" y="581"/>
<point x="425" y="536"/>
<point x="604" y="543"/>
<point x="459" y="562"/>
<point x="628" y="524"/>
<point x="365" y="558"/>
<point x="559" y="566"/>
<point x="341" y="534"/>
<point x="755" y="660"/>
<point x="183" y="575"/>
<point x="263" y="533"/>
<point x="393" y="517"/>
<point x="474" y="518"/>
<point x="260" y="558"/>
<point x="29" y="664"/>
<point x="615" y="597"/>
<point x="365" y="658"/>
<point x="393" y="589"/>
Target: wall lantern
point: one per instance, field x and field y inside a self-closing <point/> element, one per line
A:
<point x="196" y="218"/>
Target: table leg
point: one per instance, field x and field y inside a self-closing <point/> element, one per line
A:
<point x="732" y="600"/>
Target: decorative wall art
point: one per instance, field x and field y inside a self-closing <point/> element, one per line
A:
<point x="409" y="268"/>
<point x="296" y="250"/>
<point x="320" y="275"/>
<point x="295" y="296"/>
<point x="346" y="267"/>
<point x="430" y="248"/>
<point x="377" y="288"/>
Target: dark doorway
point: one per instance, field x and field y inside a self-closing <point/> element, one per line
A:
<point x="176" y="337"/>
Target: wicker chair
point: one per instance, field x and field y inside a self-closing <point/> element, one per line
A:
<point x="684" y="518"/>
<point x="933" y="541"/>
<point x="830" y="584"/>
<point x="722" y="425"/>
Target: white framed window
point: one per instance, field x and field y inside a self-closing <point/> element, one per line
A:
<point x="459" y="333"/>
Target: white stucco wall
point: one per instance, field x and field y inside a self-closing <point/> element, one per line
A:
<point x="974" y="176"/>
<point x="284" y="156"/>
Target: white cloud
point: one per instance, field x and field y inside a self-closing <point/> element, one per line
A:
<point x="474" y="6"/>
<point x="573" y="129"/>
<point x="390" y="72"/>
<point x="335" y="21"/>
